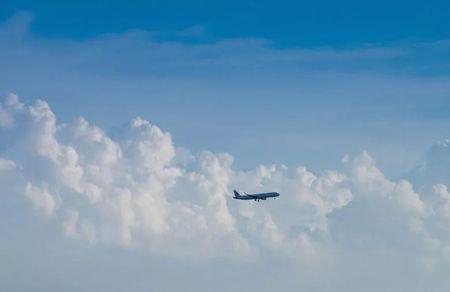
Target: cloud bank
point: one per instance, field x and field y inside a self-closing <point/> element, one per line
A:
<point x="138" y="190"/>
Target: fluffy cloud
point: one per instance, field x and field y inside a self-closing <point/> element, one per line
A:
<point x="140" y="191"/>
<point x="41" y="198"/>
<point x="11" y="105"/>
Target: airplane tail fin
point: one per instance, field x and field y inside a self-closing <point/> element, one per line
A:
<point x="236" y="194"/>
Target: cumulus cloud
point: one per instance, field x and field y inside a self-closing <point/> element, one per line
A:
<point x="41" y="198"/>
<point x="139" y="191"/>
<point x="11" y="105"/>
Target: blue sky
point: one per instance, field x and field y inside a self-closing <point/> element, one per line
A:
<point x="287" y="23"/>
<point x="239" y="87"/>
<point x="236" y="87"/>
<point x="124" y="128"/>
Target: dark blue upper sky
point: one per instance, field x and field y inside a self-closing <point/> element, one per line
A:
<point x="286" y="23"/>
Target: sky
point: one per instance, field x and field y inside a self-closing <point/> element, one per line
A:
<point x="125" y="127"/>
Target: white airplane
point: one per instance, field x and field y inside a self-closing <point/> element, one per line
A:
<point x="256" y="197"/>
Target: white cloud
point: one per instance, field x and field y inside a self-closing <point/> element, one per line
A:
<point x="5" y="118"/>
<point x="12" y="104"/>
<point x="133" y="192"/>
<point x="41" y="198"/>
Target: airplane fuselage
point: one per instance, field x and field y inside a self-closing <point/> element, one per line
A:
<point x="256" y="197"/>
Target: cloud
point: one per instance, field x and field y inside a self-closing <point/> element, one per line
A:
<point x="41" y="198"/>
<point x="119" y="192"/>
<point x="131" y="192"/>
<point x="11" y="105"/>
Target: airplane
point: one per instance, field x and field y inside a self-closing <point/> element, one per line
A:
<point x="256" y="197"/>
